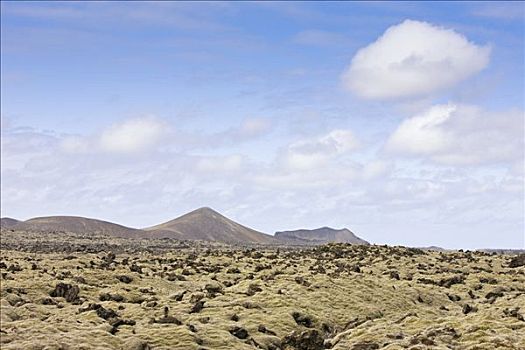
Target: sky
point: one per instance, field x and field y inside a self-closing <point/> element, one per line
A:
<point x="403" y="122"/>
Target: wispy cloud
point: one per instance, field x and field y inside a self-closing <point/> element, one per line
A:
<point x="147" y="134"/>
<point x="315" y="152"/>
<point x="136" y="135"/>
<point x="249" y="129"/>
<point x="506" y="10"/>
<point x="186" y="16"/>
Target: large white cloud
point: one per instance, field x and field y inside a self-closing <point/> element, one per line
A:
<point x="413" y="59"/>
<point x="461" y="135"/>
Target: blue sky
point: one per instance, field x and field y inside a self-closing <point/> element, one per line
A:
<point x="401" y="121"/>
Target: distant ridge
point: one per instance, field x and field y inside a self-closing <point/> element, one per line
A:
<point x="8" y="222"/>
<point x="207" y="224"/>
<point x="75" y="224"/>
<point x="433" y="248"/>
<point x="319" y="236"/>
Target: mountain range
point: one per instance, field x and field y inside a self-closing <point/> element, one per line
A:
<point x="201" y="224"/>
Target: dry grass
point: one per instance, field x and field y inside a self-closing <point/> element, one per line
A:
<point x="370" y="309"/>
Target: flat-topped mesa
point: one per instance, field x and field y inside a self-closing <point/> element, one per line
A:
<point x="207" y="224"/>
<point x="319" y="236"/>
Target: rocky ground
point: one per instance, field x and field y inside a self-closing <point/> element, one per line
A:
<point x="62" y="291"/>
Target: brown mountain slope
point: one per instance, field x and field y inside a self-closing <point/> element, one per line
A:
<point x="76" y="224"/>
<point x="8" y="222"/>
<point x="207" y="224"/>
<point x="319" y="236"/>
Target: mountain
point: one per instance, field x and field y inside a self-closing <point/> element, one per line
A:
<point x="207" y="224"/>
<point x="8" y="222"/>
<point x="76" y="224"/>
<point x="319" y="236"/>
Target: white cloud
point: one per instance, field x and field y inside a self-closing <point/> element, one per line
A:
<point x="460" y="135"/>
<point x="134" y="135"/>
<point x="423" y="133"/>
<point x="247" y="130"/>
<point x="139" y="135"/>
<point x="310" y="153"/>
<point x="413" y="59"/>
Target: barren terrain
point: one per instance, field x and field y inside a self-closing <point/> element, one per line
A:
<point x="70" y="291"/>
